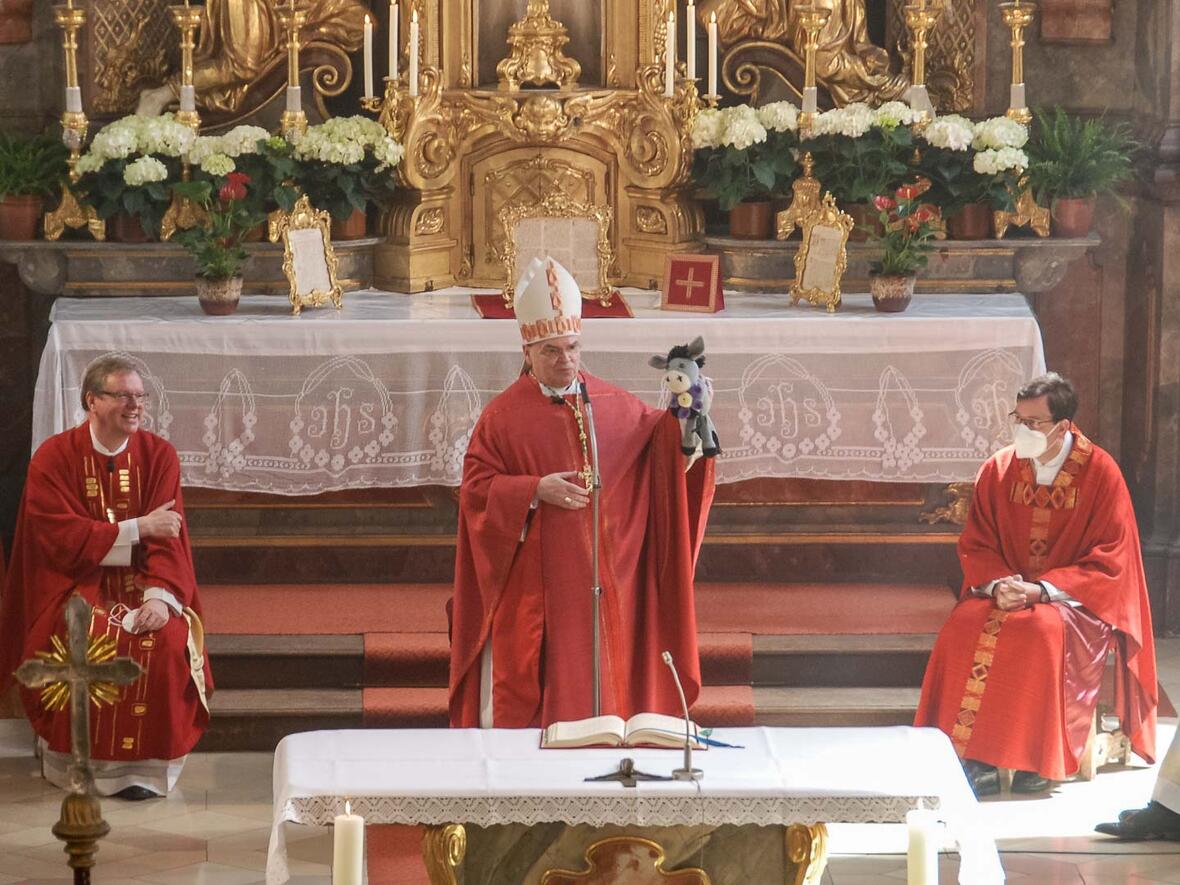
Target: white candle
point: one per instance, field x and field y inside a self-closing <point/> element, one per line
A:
<point x="922" y="855"/>
<point x="188" y="98"/>
<point x="294" y="99"/>
<point x="712" y="93"/>
<point x="414" y="53"/>
<point x="1016" y="96"/>
<point x="368" y="57"/>
<point x="810" y="99"/>
<point x="690" y="40"/>
<point x="670" y="56"/>
<point x="348" y="848"/>
<point x="393" y="40"/>
<point x="74" y="99"/>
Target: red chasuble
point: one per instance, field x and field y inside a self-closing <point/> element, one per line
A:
<point x="530" y="599"/>
<point x="73" y="499"/>
<point x="1018" y="689"/>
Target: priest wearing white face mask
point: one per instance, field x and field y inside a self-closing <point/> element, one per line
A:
<point x="1053" y="582"/>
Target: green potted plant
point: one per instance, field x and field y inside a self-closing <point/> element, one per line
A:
<point x="216" y="245"/>
<point x="32" y="170"/>
<point x="743" y="156"/>
<point x="907" y="228"/>
<point x="266" y="160"/>
<point x="344" y="164"/>
<point x="128" y="172"/>
<point x="1072" y="160"/>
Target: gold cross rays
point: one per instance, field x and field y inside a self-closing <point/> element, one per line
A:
<point x="99" y="650"/>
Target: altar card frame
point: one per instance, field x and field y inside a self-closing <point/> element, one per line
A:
<point x="823" y="256"/>
<point x="682" y="274"/>
<point x="309" y="261"/>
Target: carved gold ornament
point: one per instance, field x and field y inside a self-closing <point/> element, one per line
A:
<point x="309" y="261"/>
<point x="804" y="202"/>
<point x="558" y="205"/>
<point x="807" y="850"/>
<point x="958" y="505"/>
<point x="642" y="859"/>
<point x="1026" y="214"/>
<point x="822" y="256"/>
<point x="443" y="851"/>
<point x="536" y="57"/>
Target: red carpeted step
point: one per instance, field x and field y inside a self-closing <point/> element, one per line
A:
<point x="405" y="707"/>
<point x="301" y="609"/>
<point x="724" y="705"/>
<point x="726" y="658"/>
<point x="407" y="659"/>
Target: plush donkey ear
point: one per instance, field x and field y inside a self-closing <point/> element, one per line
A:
<point x="658" y="362"/>
<point x="696" y="347"/>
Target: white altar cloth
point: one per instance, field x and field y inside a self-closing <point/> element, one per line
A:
<point x="385" y="392"/>
<point x="500" y="776"/>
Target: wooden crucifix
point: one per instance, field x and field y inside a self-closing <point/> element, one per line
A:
<point x="76" y="670"/>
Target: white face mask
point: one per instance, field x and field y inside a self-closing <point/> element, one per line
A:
<point x="1029" y="443"/>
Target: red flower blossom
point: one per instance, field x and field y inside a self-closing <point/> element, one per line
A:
<point x="234" y="187"/>
<point x="884" y="204"/>
<point x="907" y="192"/>
<point x="925" y="212"/>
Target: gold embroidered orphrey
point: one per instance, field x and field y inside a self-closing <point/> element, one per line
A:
<point x="306" y="217"/>
<point x="621" y="144"/>
<point x="823" y="256"/>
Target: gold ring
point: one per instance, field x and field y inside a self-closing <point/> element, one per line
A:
<point x="568" y="499"/>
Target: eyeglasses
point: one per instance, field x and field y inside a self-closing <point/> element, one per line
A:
<point x="127" y="398"/>
<point x="1031" y="423"/>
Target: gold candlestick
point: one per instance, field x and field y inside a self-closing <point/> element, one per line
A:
<point x="187" y="18"/>
<point x="920" y="19"/>
<point x="1018" y="15"/>
<point x="294" y="120"/>
<point x="74" y="127"/>
<point x="812" y="19"/>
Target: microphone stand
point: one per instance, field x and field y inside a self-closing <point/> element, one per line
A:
<point x="687" y="773"/>
<point x="595" y="579"/>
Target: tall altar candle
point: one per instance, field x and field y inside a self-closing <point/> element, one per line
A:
<point x="393" y="23"/>
<point x="368" y="57"/>
<point x="690" y="40"/>
<point x="712" y="56"/>
<point x="670" y="56"/>
<point x="413" y="73"/>
<point x="348" y="847"/>
<point x="74" y="99"/>
<point x="922" y="856"/>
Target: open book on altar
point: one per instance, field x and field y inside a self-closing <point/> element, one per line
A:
<point x="641" y="730"/>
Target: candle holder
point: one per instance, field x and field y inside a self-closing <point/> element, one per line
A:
<point x="294" y="120"/>
<point x="1017" y="16"/>
<point x="921" y="18"/>
<point x="187" y="18"/>
<point x="74" y="127"/>
<point x="812" y="19"/>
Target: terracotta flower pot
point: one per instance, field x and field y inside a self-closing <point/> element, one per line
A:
<point x="972" y="222"/>
<point x="750" y="220"/>
<point x="351" y="228"/>
<point x="126" y="228"/>
<point x="1073" y="216"/>
<point x="219" y="298"/>
<point x="19" y="215"/>
<point x="892" y="293"/>
<point x="863" y="215"/>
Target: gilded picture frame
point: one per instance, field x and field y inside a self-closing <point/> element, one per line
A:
<point x="309" y="261"/>
<point x="823" y="256"/>
<point x="558" y="205"/>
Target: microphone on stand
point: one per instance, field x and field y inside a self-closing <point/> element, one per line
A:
<point x="687" y="773"/>
<point x="595" y="577"/>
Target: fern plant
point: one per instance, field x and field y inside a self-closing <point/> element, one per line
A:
<point x="1074" y="157"/>
<point x="31" y="165"/>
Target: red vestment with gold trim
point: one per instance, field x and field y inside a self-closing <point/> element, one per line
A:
<point x="531" y="598"/>
<point x="74" y="497"/>
<point x="1018" y="689"/>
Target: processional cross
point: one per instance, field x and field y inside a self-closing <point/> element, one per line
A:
<point x="74" y="672"/>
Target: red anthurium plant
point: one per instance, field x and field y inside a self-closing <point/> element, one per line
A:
<point x="907" y="229"/>
<point x="216" y="245"/>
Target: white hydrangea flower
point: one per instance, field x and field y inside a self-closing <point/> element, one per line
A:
<point x="203" y="147"/>
<point x="999" y="132"/>
<point x="708" y="129"/>
<point x="742" y="127"/>
<point x="993" y="161"/>
<point x="89" y="162"/>
<point x="163" y="135"/>
<point x="217" y="164"/>
<point x="779" y="116"/>
<point x="114" y="142"/>
<point x="952" y="132"/>
<point x="894" y="113"/>
<point x="388" y="153"/>
<point x="242" y="140"/>
<point x="852" y="121"/>
<point x="144" y="171"/>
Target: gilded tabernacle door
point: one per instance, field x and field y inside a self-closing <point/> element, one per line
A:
<point x="583" y="20"/>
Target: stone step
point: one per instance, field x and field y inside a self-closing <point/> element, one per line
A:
<point x="859" y="660"/>
<point x="827" y="706"/>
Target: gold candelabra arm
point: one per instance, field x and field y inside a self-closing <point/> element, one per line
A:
<point x="1018" y="15"/>
<point x="294" y="120"/>
<point x="920" y="18"/>
<point x="812" y="19"/>
<point x="187" y="19"/>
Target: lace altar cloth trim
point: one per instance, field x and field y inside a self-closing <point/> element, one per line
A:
<point x="644" y="811"/>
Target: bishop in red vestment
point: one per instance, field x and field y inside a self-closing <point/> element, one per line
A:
<point x="1053" y="582"/>
<point x="102" y="514"/>
<point x="521" y="643"/>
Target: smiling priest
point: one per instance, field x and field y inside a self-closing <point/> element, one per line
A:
<point x="102" y="515"/>
<point x="521" y="648"/>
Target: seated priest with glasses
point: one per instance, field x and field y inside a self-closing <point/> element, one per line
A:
<point x="1053" y="582"/>
<point x="521" y="639"/>
<point x="102" y="515"/>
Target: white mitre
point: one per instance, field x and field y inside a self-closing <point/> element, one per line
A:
<point x="548" y="303"/>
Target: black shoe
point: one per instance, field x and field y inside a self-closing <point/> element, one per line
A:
<point x="1031" y="782"/>
<point x="984" y="779"/>
<point x="136" y="794"/>
<point x="1144" y="824"/>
